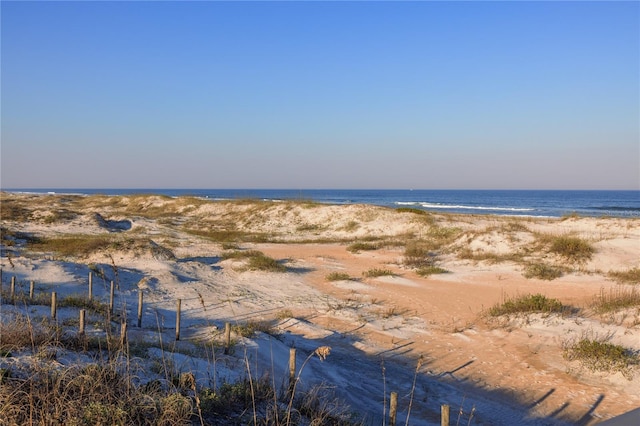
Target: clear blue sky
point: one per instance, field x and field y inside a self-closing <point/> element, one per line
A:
<point x="523" y="95"/>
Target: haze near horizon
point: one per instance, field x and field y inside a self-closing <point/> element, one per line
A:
<point x="447" y="95"/>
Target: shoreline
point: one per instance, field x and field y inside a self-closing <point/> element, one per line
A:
<point x="545" y="203"/>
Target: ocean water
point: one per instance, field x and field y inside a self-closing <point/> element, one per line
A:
<point x="538" y="203"/>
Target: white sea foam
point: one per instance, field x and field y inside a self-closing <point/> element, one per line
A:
<point x="463" y="207"/>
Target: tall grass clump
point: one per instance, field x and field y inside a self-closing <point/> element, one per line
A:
<point x="530" y="303"/>
<point x="616" y="299"/>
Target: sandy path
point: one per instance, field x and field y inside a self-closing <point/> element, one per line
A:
<point x="443" y="323"/>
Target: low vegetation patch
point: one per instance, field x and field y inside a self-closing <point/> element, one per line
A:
<point x="542" y="271"/>
<point x="362" y="246"/>
<point x="599" y="355"/>
<point x="632" y="276"/>
<point x="530" y="303"/>
<point x="425" y="271"/>
<point x="375" y="272"/>
<point x="250" y="328"/>
<point x="256" y="260"/>
<point x="337" y="276"/>
<point x="412" y="210"/>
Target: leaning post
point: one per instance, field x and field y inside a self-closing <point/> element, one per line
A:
<point x="179" y="304"/>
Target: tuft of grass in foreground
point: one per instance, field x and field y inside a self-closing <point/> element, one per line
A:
<point x="530" y="303"/>
<point x="632" y="276"/>
<point x="542" y="271"/>
<point x="598" y="355"/>
<point x="616" y="299"/>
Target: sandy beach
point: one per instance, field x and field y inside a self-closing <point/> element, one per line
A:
<point x="347" y="284"/>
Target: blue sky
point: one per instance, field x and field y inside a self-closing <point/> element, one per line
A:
<point x="493" y="95"/>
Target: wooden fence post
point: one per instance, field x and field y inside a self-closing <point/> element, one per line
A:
<point x="111" y="299"/>
<point x="140" y="308"/>
<point x="54" y="303"/>
<point x="82" y="316"/>
<point x="227" y="337"/>
<point x="90" y="286"/>
<point x="123" y="334"/>
<point x="393" y="408"/>
<point x="292" y="368"/>
<point x="31" y="285"/>
<point x="178" y="319"/>
<point x="444" y="415"/>
<point x="13" y="290"/>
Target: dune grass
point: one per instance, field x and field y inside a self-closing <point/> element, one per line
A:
<point x="630" y="276"/>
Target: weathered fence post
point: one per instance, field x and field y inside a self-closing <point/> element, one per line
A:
<point x="82" y="316"/>
<point x="31" y="286"/>
<point x="139" y="308"/>
<point x="179" y="304"/>
<point x="54" y="303"/>
<point x="90" y="286"/>
<point x="123" y="334"/>
<point x="393" y="408"/>
<point x="292" y="368"/>
<point x="227" y="337"/>
<point x="111" y="299"/>
<point x="444" y="415"/>
<point x="13" y="290"/>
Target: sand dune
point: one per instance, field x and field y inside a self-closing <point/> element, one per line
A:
<point x="506" y="370"/>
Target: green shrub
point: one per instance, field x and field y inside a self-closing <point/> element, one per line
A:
<point x="572" y="248"/>
<point x="542" y="271"/>
<point x="597" y="355"/>
<point x="265" y="263"/>
<point x="527" y="304"/>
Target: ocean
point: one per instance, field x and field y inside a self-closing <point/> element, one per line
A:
<point x="536" y="203"/>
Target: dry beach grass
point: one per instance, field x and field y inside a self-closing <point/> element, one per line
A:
<point x="508" y="320"/>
